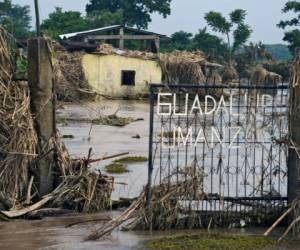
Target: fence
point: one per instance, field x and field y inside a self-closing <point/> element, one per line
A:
<point x="230" y="142"/>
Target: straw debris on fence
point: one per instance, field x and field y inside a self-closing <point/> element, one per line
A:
<point x="292" y="213"/>
<point x="166" y="209"/>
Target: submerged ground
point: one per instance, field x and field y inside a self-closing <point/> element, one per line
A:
<point x="110" y="140"/>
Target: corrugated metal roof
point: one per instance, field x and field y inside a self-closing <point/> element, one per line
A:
<point x="112" y="27"/>
<point x="69" y="35"/>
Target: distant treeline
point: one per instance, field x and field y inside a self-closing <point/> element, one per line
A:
<point x="279" y="52"/>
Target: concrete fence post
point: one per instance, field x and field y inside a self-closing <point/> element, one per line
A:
<point x="40" y="80"/>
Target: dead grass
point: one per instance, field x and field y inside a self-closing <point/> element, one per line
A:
<point x="17" y="135"/>
<point x="182" y="67"/>
<point x="76" y="186"/>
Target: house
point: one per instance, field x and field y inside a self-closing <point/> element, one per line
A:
<point x="115" y="71"/>
<point x="117" y="35"/>
<point x="112" y="69"/>
<point x="118" y="73"/>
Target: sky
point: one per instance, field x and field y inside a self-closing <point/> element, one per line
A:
<point x="187" y="15"/>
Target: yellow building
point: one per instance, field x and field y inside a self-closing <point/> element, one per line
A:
<point x="120" y="75"/>
<point x="117" y="73"/>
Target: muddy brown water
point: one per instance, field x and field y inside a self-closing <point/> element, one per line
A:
<point x="110" y="140"/>
<point x="52" y="233"/>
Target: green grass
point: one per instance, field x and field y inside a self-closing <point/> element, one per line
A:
<point x="119" y="166"/>
<point x="131" y="159"/>
<point x="116" y="168"/>
<point x="212" y="242"/>
<point x="68" y="136"/>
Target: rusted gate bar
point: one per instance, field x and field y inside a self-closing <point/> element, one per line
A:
<point x="238" y="170"/>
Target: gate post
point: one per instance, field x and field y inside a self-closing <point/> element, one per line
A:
<point x="294" y="133"/>
<point x="40" y="80"/>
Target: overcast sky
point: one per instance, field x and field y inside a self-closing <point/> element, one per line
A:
<point x="187" y="15"/>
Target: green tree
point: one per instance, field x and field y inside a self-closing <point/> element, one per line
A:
<point x="293" y="36"/>
<point x="134" y="13"/>
<point x="60" y="22"/>
<point x="103" y="18"/>
<point x="209" y="44"/>
<point x="220" y="24"/>
<point x="15" y="18"/>
<point x="181" y="40"/>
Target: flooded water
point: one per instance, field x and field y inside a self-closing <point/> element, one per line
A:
<point x="52" y="233"/>
<point x="110" y="140"/>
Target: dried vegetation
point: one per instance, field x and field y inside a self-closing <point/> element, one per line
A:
<point x="76" y="186"/>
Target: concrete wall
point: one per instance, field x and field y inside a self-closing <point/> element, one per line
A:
<point x="103" y="73"/>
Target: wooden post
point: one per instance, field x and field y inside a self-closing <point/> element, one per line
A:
<point x="157" y="45"/>
<point x="294" y="131"/>
<point x="40" y="80"/>
<point x="121" y="45"/>
<point x="37" y="17"/>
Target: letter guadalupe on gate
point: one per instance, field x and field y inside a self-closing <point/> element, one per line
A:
<point x="184" y="108"/>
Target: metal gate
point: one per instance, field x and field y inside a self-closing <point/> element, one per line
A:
<point x="233" y="139"/>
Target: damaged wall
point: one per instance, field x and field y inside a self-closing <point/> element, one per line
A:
<point x="104" y="73"/>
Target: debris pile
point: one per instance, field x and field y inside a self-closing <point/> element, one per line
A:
<point x="80" y="189"/>
<point x="17" y="135"/>
<point x="260" y="76"/>
<point x="182" y="67"/>
<point x="71" y="84"/>
<point x="107" y="49"/>
<point x="165" y="210"/>
<point x="229" y="74"/>
<point x="177" y="66"/>
<point x="5" y="59"/>
<point x="76" y="185"/>
<point x="109" y="120"/>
